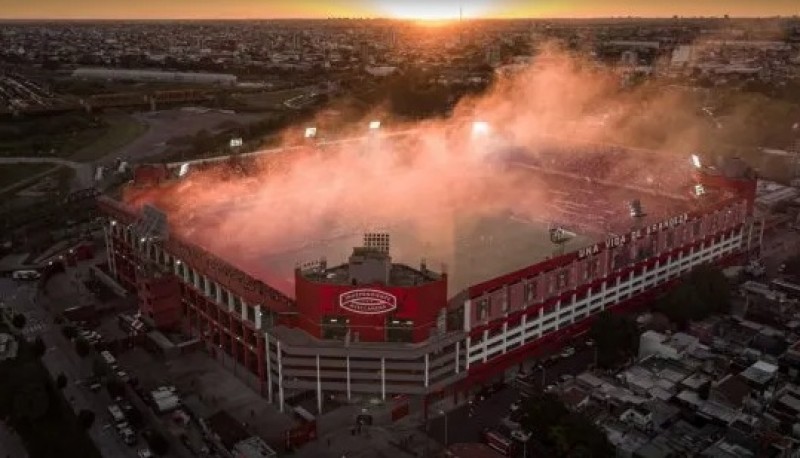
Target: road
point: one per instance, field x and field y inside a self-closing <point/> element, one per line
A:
<point x="463" y="427"/>
<point x="10" y="444"/>
<point x="60" y="357"/>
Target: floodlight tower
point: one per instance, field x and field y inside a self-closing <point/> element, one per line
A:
<point x="636" y="212"/>
<point x="310" y="133"/>
<point x="559" y="237"/>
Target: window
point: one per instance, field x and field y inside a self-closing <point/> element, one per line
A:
<point x="670" y="239"/>
<point x="399" y="330"/>
<point x="530" y="290"/>
<point x="483" y="309"/>
<point x="696" y="227"/>
<point x="455" y="319"/>
<point x="593" y="268"/>
<point x="562" y="280"/>
<point x="620" y="258"/>
<point x="334" y="327"/>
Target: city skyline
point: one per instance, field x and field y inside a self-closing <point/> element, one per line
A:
<point x="409" y="9"/>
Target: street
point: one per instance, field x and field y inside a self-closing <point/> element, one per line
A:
<point x="463" y="427"/>
<point x="60" y="357"/>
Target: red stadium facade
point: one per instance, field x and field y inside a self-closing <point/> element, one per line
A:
<point x="372" y="327"/>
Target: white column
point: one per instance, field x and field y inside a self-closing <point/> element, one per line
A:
<point x="280" y="377"/>
<point x="467" y="351"/>
<point x="485" y="345"/>
<point x="347" y="362"/>
<point x="505" y="336"/>
<point x="218" y="293"/>
<point x="269" y="367"/>
<point x="244" y="311"/>
<point x="458" y="355"/>
<point x="383" y="378"/>
<point x="427" y="369"/>
<point x="319" y="389"/>
<point x="258" y="316"/>
<point x="574" y="302"/>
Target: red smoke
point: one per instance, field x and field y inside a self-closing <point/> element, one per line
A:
<point x="419" y="185"/>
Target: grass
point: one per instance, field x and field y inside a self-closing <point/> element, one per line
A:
<point x="268" y="100"/>
<point x="12" y="173"/>
<point x="120" y="131"/>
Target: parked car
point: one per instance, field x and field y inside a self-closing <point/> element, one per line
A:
<point x="516" y="405"/>
<point x="589" y="342"/>
<point x="145" y="453"/>
<point x="567" y="352"/>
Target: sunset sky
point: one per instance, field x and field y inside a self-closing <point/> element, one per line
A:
<point x="419" y="9"/>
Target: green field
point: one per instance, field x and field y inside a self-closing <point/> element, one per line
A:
<point x="12" y="173"/>
<point x="119" y="131"/>
<point x="267" y="100"/>
<point x="70" y="136"/>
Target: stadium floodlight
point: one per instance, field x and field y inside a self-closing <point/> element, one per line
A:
<point x="311" y="132"/>
<point x="374" y="125"/>
<point x="236" y="142"/>
<point x="184" y="169"/>
<point x="480" y="128"/>
<point x="696" y="161"/>
<point x="636" y="210"/>
<point x="699" y="190"/>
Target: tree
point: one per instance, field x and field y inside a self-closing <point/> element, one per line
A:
<point x="19" y="321"/>
<point x="712" y="289"/>
<point x="61" y="381"/>
<point x="69" y="332"/>
<point x="565" y="433"/>
<point x="38" y="347"/>
<point x="792" y="266"/>
<point x="681" y="305"/>
<point x="86" y="418"/>
<point x="158" y="444"/>
<point x="616" y="339"/>
<point x="82" y="347"/>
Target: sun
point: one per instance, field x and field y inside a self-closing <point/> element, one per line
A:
<point x="432" y="10"/>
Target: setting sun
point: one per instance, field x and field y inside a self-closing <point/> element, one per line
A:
<point x="433" y="11"/>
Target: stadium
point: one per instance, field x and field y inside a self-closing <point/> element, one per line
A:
<point x="365" y="288"/>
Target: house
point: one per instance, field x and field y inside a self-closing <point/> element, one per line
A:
<point x="667" y="346"/>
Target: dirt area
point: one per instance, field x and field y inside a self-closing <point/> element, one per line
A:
<point x="165" y="127"/>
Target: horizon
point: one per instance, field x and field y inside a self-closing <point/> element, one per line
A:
<point x="438" y="11"/>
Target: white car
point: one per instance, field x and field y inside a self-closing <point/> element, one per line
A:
<point x="567" y="352"/>
<point x="145" y="453"/>
<point x="516" y="405"/>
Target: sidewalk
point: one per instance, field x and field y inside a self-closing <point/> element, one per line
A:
<point x="10" y="443"/>
<point x="403" y="438"/>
